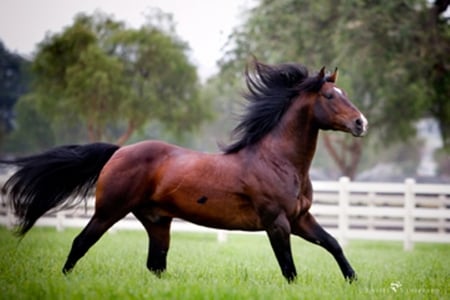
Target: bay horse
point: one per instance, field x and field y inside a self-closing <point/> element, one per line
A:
<point x="259" y="182"/>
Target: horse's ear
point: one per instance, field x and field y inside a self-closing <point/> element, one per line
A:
<point x="333" y="77"/>
<point x="322" y="73"/>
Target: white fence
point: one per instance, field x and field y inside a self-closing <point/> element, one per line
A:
<point x="407" y="212"/>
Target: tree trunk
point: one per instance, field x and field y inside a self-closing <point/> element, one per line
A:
<point x="346" y="153"/>
<point x="91" y="132"/>
<point x="94" y="132"/>
<point x="127" y="134"/>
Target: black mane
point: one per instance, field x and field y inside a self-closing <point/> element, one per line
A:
<point x="271" y="90"/>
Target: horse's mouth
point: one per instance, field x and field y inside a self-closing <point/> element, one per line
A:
<point x="359" y="133"/>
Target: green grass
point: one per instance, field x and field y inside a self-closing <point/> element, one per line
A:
<point x="201" y="268"/>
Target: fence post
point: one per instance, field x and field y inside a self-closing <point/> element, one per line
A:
<point x="371" y="204"/>
<point x="222" y="236"/>
<point x="60" y="215"/>
<point x="408" y="225"/>
<point x="441" y="221"/>
<point x="10" y="219"/>
<point x="343" y="209"/>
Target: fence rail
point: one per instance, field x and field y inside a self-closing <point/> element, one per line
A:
<point x="407" y="212"/>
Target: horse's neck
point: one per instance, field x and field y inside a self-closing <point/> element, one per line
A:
<point x="302" y="148"/>
<point x="295" y="140"/>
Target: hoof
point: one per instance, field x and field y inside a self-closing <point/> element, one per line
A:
<point x="351" y="278"/>
<point x="67" y="269"/>
<point x="157" y="272"/>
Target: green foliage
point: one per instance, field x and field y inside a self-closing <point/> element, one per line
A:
<point x="13" y="83"/>
<point x="201" y="268"/>
<point x="32" y="133"/>
<point x="97" y="101"/>
<point x="162" y="75"/>
<point x="114" y="80"/>
<point x="226" y="99"/>
<point x="443" y="161"/>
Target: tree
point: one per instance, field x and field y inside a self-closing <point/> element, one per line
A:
<point x="163" y="76"/>
<point x="32" y="133"/>
<point x="436" y="46"/>
<point x="383" y="49"/>
<point x="75" y="80"/>
<point x="114" y="79"/>
<point x="13" y="83"/>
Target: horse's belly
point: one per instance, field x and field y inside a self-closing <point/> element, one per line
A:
<point x="227" y="212"/>
<point x="246" y="222"/>
<point x="205" y="189"/>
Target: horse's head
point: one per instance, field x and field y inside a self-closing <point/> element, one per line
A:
<point x="275" y="91"/>
<point x="334" y="111"/>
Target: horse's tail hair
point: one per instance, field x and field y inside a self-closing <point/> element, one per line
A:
<point x="56" y="179"/>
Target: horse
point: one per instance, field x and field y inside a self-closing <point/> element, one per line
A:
<point x="258" y="182"/>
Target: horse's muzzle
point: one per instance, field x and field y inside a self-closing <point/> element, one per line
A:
<point x="360" y="126"/>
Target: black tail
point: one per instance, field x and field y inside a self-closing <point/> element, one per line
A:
<point x="45" y="181"/>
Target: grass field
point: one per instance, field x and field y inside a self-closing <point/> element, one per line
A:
<point x="200" y="268"/>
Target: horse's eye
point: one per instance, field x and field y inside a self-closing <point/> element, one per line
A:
<point x="328" y="95"/>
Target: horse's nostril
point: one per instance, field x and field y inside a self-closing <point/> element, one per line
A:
<point x="359" y="122"/>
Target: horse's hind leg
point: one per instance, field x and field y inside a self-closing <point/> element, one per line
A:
<point x="96" y="227"/>
<point x="158" y="231"/>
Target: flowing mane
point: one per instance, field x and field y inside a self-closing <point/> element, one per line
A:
<point x="271" y="90"/>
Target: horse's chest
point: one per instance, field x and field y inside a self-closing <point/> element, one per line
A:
<point x="299" y="198"/>
<point x="279" y="191"/>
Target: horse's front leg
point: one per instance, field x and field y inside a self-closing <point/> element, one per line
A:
<point x="307" y="228"/>
<point x="279" y="232"/>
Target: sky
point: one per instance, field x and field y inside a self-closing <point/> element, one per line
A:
<point x="204" y="24"/>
